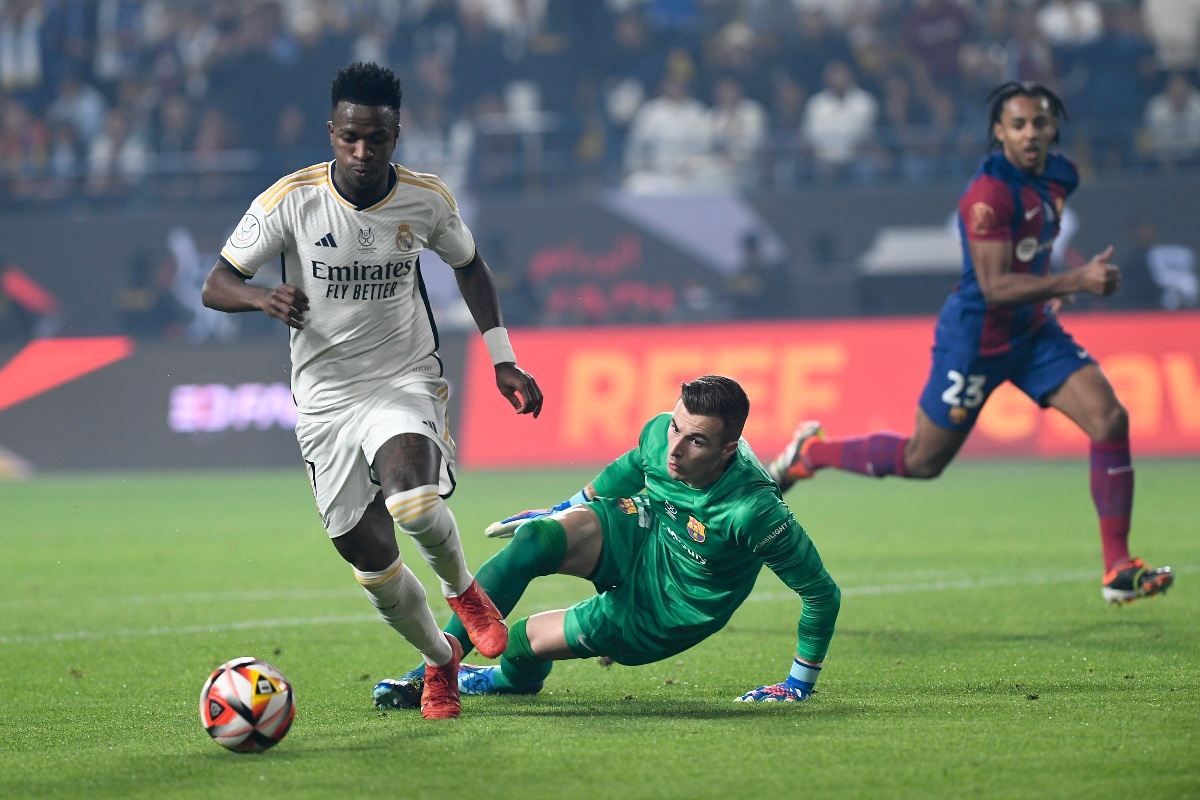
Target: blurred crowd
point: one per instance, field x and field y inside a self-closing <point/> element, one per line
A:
<point x="118" y="98"/>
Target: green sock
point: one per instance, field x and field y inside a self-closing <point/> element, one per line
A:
<point x="520" y="669"/>
<point x="536" y="549"/>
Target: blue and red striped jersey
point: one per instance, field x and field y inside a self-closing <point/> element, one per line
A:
<point x="1003" y="203"/>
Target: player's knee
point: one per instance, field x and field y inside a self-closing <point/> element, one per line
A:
<point x="417" y="511"/>
<point x="539" y="545"/>
<point x="392" y="591"/>
<point x="1113" y="423"/>
<point x="835" y="601"/>
<point x="924" y="468"/>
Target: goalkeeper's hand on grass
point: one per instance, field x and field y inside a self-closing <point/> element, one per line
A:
<point x="505" y="528"/>
<point x="798" y="686"/>
<point x="787" y="692"/>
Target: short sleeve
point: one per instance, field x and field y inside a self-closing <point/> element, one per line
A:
<point x="627" y="475"/>
<point x="257" y="239"/>
<point x="451" y="239"/>
<point x="986" y="209"/>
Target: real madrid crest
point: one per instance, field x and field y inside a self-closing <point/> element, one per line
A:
<point x="404" y="238"/>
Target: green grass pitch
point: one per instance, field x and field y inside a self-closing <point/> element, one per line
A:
<point x="973" y="657"/>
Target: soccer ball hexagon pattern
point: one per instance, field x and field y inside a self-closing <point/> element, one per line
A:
<point x="247" y="705"/>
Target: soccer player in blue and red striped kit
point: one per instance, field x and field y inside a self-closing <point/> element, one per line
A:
<point x="999" y="324"/>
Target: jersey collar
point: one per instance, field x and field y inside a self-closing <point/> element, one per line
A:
<point x="392" y="184"/>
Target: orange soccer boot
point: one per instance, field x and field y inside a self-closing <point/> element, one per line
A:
<point x="789" y="466"/>
<point x="440" y="698"/>
<point x="483" y="621"/>
<point x="1132" y="579"/>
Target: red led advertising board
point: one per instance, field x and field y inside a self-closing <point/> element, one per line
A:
<point x="602" y="384"/>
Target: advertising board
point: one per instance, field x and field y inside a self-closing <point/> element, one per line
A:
<point x="602" y="385"/>
<point x="85" y="403"/>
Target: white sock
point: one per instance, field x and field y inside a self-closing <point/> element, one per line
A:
<point x="424" y="516"/>
<point x="400" y="599"/>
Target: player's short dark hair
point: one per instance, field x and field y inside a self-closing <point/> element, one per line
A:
<point x="718" y="396"/>
<point x="366" y="85"/>
<point x="1007" y="91"/>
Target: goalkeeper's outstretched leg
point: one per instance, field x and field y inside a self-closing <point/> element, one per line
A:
<point x="567" y="543"/>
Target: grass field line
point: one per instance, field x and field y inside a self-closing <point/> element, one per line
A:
<point x="1039" y="578"/>
<point x="197" y="597"/>
<point x="1034" y="579"/>
<point x="254" y="624"/>
<point x="902" y="582"/>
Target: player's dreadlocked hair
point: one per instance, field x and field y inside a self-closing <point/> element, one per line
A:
<point x="367" y="85"/>
<point x="718" y="396"/>
<point x="1006" y="91"/>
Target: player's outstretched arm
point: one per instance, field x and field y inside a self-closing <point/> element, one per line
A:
<point x="505" y="528"/>
<point x="479" y="292"/>
<point x="622" y="478"/>
<point x="784" y="547"/>
<point x="822" y="599"/>
<point x="1001" y="286"/>
<point x="224" y="291"/>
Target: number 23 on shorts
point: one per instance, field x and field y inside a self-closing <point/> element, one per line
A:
<point x="955" y="396"/>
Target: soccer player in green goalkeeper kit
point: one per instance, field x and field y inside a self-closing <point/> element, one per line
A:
<point x="670" y="566"/>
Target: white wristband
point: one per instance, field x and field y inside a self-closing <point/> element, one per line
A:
<point x="499" y="348"/>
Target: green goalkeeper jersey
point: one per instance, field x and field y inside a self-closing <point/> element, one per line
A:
<point x="708" y="545"/>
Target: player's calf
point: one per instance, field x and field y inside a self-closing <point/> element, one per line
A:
<point x="400" y="600"/>
<point x="423" y="515"/>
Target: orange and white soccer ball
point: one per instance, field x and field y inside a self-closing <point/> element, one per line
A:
<point x="247" y="705"/>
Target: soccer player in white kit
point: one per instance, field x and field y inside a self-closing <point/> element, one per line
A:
<point x="373" y="424"/>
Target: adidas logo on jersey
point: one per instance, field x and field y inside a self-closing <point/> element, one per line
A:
<point x="327" y="241"/>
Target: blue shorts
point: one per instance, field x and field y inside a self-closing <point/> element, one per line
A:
<point x="961" y="380"/>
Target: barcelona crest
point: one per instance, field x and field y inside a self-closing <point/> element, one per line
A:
<point x="627" y="506"/>
<point x="695" y="529"/>
<point x="404" y="238"/>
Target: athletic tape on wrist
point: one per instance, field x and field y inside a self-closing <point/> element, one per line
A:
<point x="499" y="348"/>
<point x="803" y="676"/>
<point x="576" y="499"/>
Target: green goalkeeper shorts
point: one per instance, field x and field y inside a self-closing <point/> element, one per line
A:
<point x="611" y="623"/>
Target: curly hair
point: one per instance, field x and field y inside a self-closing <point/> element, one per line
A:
<point x="366" y="84"/>
<point x="1006" y="91"/>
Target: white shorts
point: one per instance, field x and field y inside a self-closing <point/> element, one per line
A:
<point x="338" y="450"/>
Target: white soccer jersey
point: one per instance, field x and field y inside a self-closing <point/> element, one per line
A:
<point x="369" y="319"/>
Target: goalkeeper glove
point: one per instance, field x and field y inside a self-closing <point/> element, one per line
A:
<point x="798" y="686"/>
<point x="505" y="528"/>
